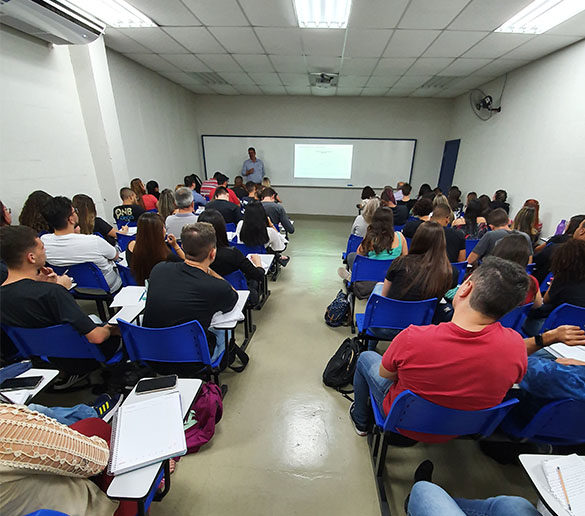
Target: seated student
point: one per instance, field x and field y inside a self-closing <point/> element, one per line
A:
<point x="31" y="212"/>
<point x="230" y="211"/>
<point x="485" y="203"/>
<point x="499" y="201"/>
<point x="239" y="188"/>
<point x="166" y="203"/>
<point x="209" y="185"/>
<point x="276" y="211"/>
<point x="471" y="196"/>
<point x="472" y="224"/>
<point x="223" y="180"/>
<point x="500" y="227"/>
<point x="405" y="200"/>
<point x="441" y="199"/>
<point x="229" y="259"/>
<point x="150" y="247"/>
<point x="191" y="184"/>
<point x="38" y="299"/>
<point x="454" y="201"/>
<point x="257" y="229"/>
<point x="137" y="186"/>
<point x="90" y="223"/>
<point x="469" y="363"/>
<point x="526" y="222"/>
<point x="152" y="189"/>
<point x="421" y="210"/>
<point x="455" y="241"/>
<point x="363" y="220"/>
<point x="184" y="214"/>
<point x="5" y="215"/>
<point x="129" y="211"/>
<point x="149" y="199"/>
<point x="65" y="247"/>
<point x="190" y="290"/>
<point x="400" y="212"/>
<point x="250" y="196"/>
<point x="424" y="189"/>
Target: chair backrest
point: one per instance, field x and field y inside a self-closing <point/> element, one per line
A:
<point x="86" y="275"/>
<point x="126" y="276"/>
<point x="353" y="242"/>
<point x="462" y="268"/>
<point x="470" y="246"/>
<point x="183" y="343"/>
<point x="383" y="312"/>
<point x="530" y="268"/>
<point x="230" y="226"/>
<point x="408" y="241"/>
<point x="46" y="512"/>
<point x="246" y="250"/>
<point x="411" y="412"/>
<point x="399" y="228"/>
<point x="237" y="280"/>
<point x="367" y="269"/>
<point x="154" y="210"/>
<point x="515" y="318"/>
<point x="60" y="341"/>
<point x="565" y="314"/>
<point x="124" y="240"/>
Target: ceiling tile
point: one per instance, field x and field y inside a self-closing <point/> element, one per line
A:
<point x="574" y="26"/>
<point x="429" y="65"/>
<point x="254" y="63"/>
<point x="186" y="62"/>
<point x="468" y="83"/>
<point x="431" y="14"/>
<point x="179" y="77"/>
<point x="270" y="14"/>
<point x="122" y="43"/>
<point x="169" y="12"/>
<point x="289" y="64"/>
<point x="196" y="39"/>
<point x="273" y="90"/>
<point x="245" y="89"/>
<point x="478" y="16"/>
<point x="353" y="81"/>
<point x="423" y="92"/>
<point x="323" y="92"/>
<point x="374" y="92"/>
<point x="541" y="45"/>
<point x="358" y="66"/>
<point x="200" y="89"/>
<point x="449" y="94"/>
<point x="394" y="65"/>
<point x="281" y="41"/>
<point x="266" y="78"/>
<point x="497" y="44"/>
<point x="502" y="65"/>
<point x="366" y="42"/>
<point x="410" y="43"/>
<point x="220" y="13"/>
<point x="237" y="78"/>
<point x="412" y="82"/>
<point x="454" y="43"/>
<point x="155" y="39"/>
<point x="295" y="79"/>
<point x="323" y="42"/>
<point x="298" y="90"/>
<point x="319" y="64"/>
<point x="220" y="62"/>
<point x="382" y="82"/>
<point x="153" y="62"/>
<point x="225" y="89"/>
<point x="350" y="92"/>
<point x="463" y="66"/>
<point x="400" y="91"/>
<point x="376" y="14"/>
<point x="238" y="40"/>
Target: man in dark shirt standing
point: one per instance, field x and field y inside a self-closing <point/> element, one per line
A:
<point x="230" y="212"/>
<point x="128" y="212"/>
<point x="455" y="239"/>
<point x="190" y="290"/>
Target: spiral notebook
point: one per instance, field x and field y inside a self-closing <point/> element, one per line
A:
<point x="145" y="432"/>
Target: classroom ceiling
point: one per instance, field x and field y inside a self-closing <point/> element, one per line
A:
<point x="417" y="48"/>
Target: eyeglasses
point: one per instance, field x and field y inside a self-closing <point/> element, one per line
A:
<point x="75" y="210"/>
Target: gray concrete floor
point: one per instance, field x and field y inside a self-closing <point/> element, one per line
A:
<point x="285" y="444"/>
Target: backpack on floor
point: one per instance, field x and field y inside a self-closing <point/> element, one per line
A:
<point x="337" y="313"/>
<point x="341" y="367"/>
<point x="202" y="417"/>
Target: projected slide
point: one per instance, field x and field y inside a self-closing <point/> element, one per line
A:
<point x="323" y="161"/>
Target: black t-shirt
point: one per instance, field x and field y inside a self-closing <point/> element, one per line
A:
<point x="230" y="259"/>
<point x="400" y="215"/>
<point x="409" y="204"/>
<point x="572" y="293"/>
<point x="240" y="191"/>
<point x="543" y="259"/>
<point x="39" y="304"/>
<point x="410" y="227"/>
<point x="500" y="204"/>
<point x="231" y="212"/>
<point x="103" y="228"/>
<point x="455" y="243"/>
<point x="128" y="213"/>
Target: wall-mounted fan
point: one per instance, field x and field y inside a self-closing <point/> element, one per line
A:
<point x="482" y="104"/>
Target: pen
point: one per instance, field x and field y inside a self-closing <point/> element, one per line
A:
<point x="564" y="488"/>
<point x="142" y="296"/>
<point x="66" y="271"/>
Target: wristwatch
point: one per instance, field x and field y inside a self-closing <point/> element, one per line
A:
<point x="538" y="340"/>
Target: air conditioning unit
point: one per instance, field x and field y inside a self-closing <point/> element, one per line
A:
<point x="57" y="22"/>
<point x="323" y="80"/>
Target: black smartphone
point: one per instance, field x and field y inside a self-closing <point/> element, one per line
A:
<point x="24" y="382"/>
<point x="160" y="383"/>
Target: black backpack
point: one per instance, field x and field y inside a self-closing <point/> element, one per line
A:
<point x="337" y="313"/>
<point x="340" y="368"/>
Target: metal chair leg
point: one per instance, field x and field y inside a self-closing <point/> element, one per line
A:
<point x="378" y="466"/>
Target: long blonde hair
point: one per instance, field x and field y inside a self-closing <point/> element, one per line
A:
<point x="86" y="212"/>
<point x="371" y="205"/>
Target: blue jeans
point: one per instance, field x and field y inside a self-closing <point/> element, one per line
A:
<point x="366" y="377"/>
<point x="220" y="342"/>
<point x="65" y="415"/>
<point x="428" y="499"/>
<point x="382" y="333"/>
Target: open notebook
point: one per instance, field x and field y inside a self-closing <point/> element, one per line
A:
<point x="572" y="471"/>
<point x="146" y="432"/>
<point x="562" y="350"/>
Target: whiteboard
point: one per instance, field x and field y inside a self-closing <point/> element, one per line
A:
<point x="376" y="162"/>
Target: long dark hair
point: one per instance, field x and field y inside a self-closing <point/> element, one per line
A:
<point x="150" y="247"/>
<point x="254" y="230"/>
<point x="380" y="234"/>
<point x="472" y="211"/>
<point x="137" y="186"/>
<point x="3" y="220"/>
<point x="218" y="222"/>
<point x="152" y="188"/>
<point x="31" y="215"/>
<point x="86" y="213"/>
<point x="426" y="263"/>
<point x="368" y="193"/>
<point x="484" y="202"/>
<point x="424" y="189"/>
<point x="514" y="248"/>
<point x="568" y="262"/>
<point x="454" y="198"/>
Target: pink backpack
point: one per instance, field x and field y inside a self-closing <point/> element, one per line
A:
<point x="202" y="417"/>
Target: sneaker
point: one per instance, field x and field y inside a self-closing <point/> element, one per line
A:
<point x="106" y="405"/>
<point x="344" y="273"/>
<point x="283" y="260"/>
<point x="67" y="382"/>
<point x="362" y="432"/>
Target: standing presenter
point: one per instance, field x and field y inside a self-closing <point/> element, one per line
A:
<point x="253" y="168"/>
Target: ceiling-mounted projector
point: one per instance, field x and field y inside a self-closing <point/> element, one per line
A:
<point x="323" y="80"/>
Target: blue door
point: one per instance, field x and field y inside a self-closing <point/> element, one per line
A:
<point x="450" y="152"/>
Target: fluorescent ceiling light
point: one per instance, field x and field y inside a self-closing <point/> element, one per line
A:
<point x="542" y="15"/>
<point x="115" y="13"/>
<point x="323" y="14"/>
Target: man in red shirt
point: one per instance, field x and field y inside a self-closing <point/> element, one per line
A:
<point x="469" y="363"/>
<point x="222" y="180"/>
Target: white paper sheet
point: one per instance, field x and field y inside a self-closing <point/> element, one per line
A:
<point x="129" y="296"/>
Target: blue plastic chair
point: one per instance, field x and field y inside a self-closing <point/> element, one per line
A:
<point x="470" y="246"/>
<point x="411" y="412"/>
<point x="462" y="268"/>
<point x="126" y="276"/>
<point x="246" y="250"/>
<point x="565" y="314"/>
<point x="185" y="343"/>
<point x="559" y="423"/>
<point x="124" y="240"/>
<point x="530" y="268"/>
<point x="365" y="269"/>
<point x="399" y="228"/>
<point x="515" y="319"/>
<point x="408" y="242"/>
<point x="60" y="341"/>
<point x="231" y="227"/>
<point x="154" y="210"/>
<point x="237" y="280"/>
<point x="46" y="512"/>
<point x="353" y="242"/>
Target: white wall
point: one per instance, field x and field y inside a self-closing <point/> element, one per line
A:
<point x="534" y="148"/>
<point x="424" y="119"/>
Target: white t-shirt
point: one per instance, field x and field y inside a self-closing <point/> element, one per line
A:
<point x="175" y="223"/>
<point x="74" y="248"/>
<point x="359" y="227"/>
<point x="276" y="241"/>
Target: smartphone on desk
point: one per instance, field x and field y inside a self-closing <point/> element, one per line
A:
<point x="23" y="382"/>
<point x="160" y="383"/>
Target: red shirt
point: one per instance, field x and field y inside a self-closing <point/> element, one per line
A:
<point x="455" y="368"/>
<point x="233" y="197"/>
<point x="532" y="290"/>
<point x="149" y="202"/>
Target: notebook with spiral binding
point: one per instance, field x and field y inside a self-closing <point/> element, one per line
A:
<point x="145" y="432"/>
